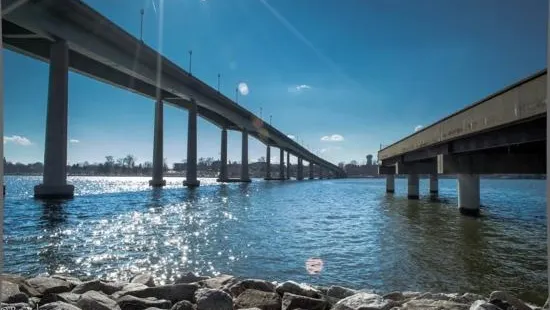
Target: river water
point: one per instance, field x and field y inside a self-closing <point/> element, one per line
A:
<point x="118" y="226"/>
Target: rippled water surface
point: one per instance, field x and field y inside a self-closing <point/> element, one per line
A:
<point x="116" y="227"/>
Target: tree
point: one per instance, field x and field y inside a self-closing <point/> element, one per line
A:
<point x="353" y="162"/>
<point x="261" y="159"/>
<point x="130" y="160"/>
<point x="109" y="161"/>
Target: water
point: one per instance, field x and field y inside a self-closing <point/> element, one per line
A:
<point x="117" y="227"/>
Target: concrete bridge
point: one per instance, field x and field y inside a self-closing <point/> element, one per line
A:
<point x="504" y="133"/>
<point x="72" y="36"/>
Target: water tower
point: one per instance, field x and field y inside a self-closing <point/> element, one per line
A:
<point x="369" y="160"/>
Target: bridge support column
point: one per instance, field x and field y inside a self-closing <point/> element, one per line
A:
<point x="244" y="157"/>
<point x="54" y="181"/>
<point x="390" y="183"/>
<point x="223" y="157"/>
<point x="158" y="143"/>
<point x="468" y="194"/>
<point x="268" y="163"/>
<point x="288" y="165"/>
<point x="311" y="168"/>
<point x="282" y="164"/>
<point x="191" y="179"/>
<point x="434" y="184"/>
<point x="413" y="181"/>
<point x="300" y="169"/>
<point x="321" y="172"/>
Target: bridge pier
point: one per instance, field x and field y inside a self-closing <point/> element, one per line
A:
<point x="54" y="180"/>
<point x="412" y="186"/>
<point x="311" y="169"/>
<point x="468" y="194"/>
<point x="390" y="183"/>
<point x="158" y="164"/>
<point x="300" y="172"/>
<point x="321" y="172"/>
<point x="268" y="163"/>
<point x="282" y="164"/>
<point x="191" y="179"/>
<point x="434" y="184"/>
<point x="287" y="165"/>
<point x="223" y="157"/>
<point x="244" y="157"/>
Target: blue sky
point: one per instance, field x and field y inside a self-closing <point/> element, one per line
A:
<point x="366" y="71"/>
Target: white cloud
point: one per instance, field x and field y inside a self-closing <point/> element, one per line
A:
<point x="418" y="127"/>
<point x="74" y="141"/>
<point x="298" y="88"/>
<point x="243" y="88"/>
<point x="332" y="138"/>
<point x="19" y="140"/>
<point x="330" y="149"/>
<point x="293" y="137"/>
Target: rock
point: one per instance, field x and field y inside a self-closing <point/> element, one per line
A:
<point x="130" y="287"/>
<point x="15" y="306"/>
<point x="72" y="280"/>
<point x="211" y="299"/>
<point x="468" y="298"/>
<point x="427" y="304"/>
<point x="365" y="301"/>
<point x="144" y="279"/>
<point x="437" y="296"/>
<point x="183" y="305"/>
<point x="44" y="285"/>
<point x="130" y="302"/>
<point x="340" y="292"/>
<point x="395" y="296"/>
<point x="23" y="286"/>
<point x="113" y="287"/>
<point x="48" y="298"/>
<point x="58" y="305"/>
<point x="297" y="289"/>
<point x="509" y="298"/>
<point x="260" y="285"/>
<point x="94" y="285"/>
<point x="219" y="282"/>
<point x="8" y="290"/>
<point x="322" y="289"/>
<point x="291" y="301"/>
<point x="409" y="294"/>
<point x="191" y="278"/>
<point x="174" y="293"/>
<point x="93" y="300"/>
<point x="483" y="305"/>
<point x="69" y="297"/>
<point x="33" y="301"/>
<point x="259" y="299"/>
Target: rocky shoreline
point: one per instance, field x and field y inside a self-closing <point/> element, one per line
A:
<point x="225" y="292"/>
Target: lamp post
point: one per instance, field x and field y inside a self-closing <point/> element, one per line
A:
<point x="190" y="59"/>
<point x="219" y="82"/>
<point x="141" y="26"/>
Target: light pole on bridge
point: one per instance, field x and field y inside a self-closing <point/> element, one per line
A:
<point x="141" y="26"/>
<point x="190" y="60"/>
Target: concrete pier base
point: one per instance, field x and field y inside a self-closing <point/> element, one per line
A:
<point x="191" y="178"/>
<point x="244" y="157"/>
<point x="434" y="184"/>
<point x="311" y="169"/>
<point x="54" y="181"/>
<point x="390" y="183"/>
<point x="268" y="163"/>
<point x="300" y="173"/>
<point x="413" y="182"/>
<point x="158" y="159"/>
<point x="282" y="164"/>
<point x="468" y="194"/>
<point x="223" y="157"/>
<point x="287" y="165"/>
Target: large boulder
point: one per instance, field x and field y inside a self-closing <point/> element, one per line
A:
<point x="145" y="279"/>
<point x="23" y="285"/>
<point x="45" y="285"/>
<point x="93" y="300"/>
<point x="258" y="299"/>
<point x="291" y="301"/>
<point x="93" y="285"/>
<point x="72" y="280"/>
<point x="211" y="299"/>
<point x="15" y="306"/>
<point x="174" y="293"/>
<point x="467" y="298"/>
<point x="509" y="298"/>
<point x="483" y="305"/>
<point x="68" y="297"/>
<point x="58" y="305"/>
<point x="183" y="305"/>
<point x="340" y="292"/>
<point x="395" y="296"/>
<point x="428" y="304"/>
<point x="190" y="278"/>
<point x="219" y="282"/>
<point x="364" y="301"/>
<point x="10" y="293"/>
<point x="130" y="302"/>
<point x="126" y="289"/>
<point x="113" y="287"/>
<point x="260" y="285"/>
<point x="297" y="289"/>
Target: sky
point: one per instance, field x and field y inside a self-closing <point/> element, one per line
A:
<point x="343" y="76"/>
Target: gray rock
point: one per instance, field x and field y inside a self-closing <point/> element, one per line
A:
<point x="427" y="304"/>
<point x="437" y="296"/>
<point x="249" y="309"/>
<point x="58" y="305"/>
<point x="219" y="282"/>
<point x="395" y="296"/>
<point x="211" y="299"/>
<point x="15" y="306"/>
<point x="340" y="292"/>
<point x="258" y="299"/>
<point x="509" y="298"/>
<point x="113" y="287"/>
<point x="174" y="293"/>
<point x="8" y="291"/>
<point x="130" y="287"/>
<point x="69" y="297"/>
<point x="483" y="305"/>
<point x="191" y="278"/>
<point x="467" y="298"/>
<point x="297" y="289"/>
<point x="144" y="279"/>
<point x="44" y="285"/>
<point x="94" y="285"/>
<point x="322" y="289"/>
<point x="33" y="301"/>
<point x="183" y="305"/>
<point x="93" y="300"/>
<point x="364" y="301"/>
<point x="130" y="302"/>
<point x="260" y="285"/>
<point x="291" y="301"/>
<point x="23" y="286"/>
<point x="48" y="298"/>
<point x="72" y="280"/>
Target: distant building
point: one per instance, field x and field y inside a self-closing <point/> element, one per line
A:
<point x="369" y="160"/>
